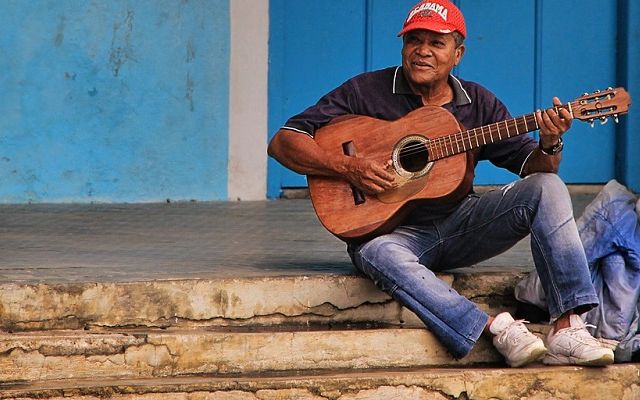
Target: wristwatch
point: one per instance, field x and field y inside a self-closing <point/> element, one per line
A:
<point x="555" y="149"/>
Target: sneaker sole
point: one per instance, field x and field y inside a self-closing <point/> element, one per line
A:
<point x="535" y="354"/>
<point x="552" y="359"/>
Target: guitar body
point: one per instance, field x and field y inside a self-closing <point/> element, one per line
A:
<point x="438" y="183"/>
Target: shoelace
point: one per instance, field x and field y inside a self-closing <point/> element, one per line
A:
<point x="581" y="333"/>
<point x="515" y="331"/>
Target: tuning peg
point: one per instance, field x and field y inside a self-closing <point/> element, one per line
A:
<point x="585" y="94"/>
<point x="609" y="88"/>
<point x="591" y="122"/>
<point x="603" y="120"/>
<point x="615" y="118"/>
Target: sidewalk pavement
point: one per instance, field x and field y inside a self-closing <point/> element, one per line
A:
<point x="140" y="242"/>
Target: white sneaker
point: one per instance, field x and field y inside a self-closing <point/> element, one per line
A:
<point x="575" y="346"/>
<point x="608" y="343"/>
<point x="514" y="341"/>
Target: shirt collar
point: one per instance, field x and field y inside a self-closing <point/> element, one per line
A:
<point x="401" y="86"/>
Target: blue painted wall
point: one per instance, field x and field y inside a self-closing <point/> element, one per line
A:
<point x="117" y="101"/>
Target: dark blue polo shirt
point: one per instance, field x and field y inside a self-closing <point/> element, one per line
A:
<point x="385" y="94"/>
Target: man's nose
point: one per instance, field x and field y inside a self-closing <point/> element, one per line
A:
<point x="424" y="50"/>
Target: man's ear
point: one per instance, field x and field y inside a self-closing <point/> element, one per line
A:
<point x="459" y="53"/>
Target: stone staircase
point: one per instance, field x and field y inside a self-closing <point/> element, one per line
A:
<point x="316" y="337"/>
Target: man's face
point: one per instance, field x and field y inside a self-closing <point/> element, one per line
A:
<point x="428" y="57"/>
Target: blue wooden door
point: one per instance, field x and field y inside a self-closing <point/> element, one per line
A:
<point x="526" y="54"/>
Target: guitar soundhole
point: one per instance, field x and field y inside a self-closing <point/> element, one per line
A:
<point x="413" y="156"/>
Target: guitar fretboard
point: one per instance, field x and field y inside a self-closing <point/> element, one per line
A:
<point x="446" y="146"/>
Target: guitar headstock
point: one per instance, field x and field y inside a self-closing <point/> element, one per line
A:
<point x="601" y="105"/>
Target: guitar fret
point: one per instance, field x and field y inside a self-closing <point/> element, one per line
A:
<point x="476" y="135"/>
<point x="499" y="134"/>
<point x="517" y="131"/>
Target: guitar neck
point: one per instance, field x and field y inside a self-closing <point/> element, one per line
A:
<point x="464" y="141"/>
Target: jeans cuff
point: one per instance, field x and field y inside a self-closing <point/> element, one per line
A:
<point x="472" y="335"/>
<point x="579" y="304"/>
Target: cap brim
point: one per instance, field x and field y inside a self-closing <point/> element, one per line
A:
<point x="434" y="27"/>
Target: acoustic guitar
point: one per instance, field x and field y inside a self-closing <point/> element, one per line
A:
<point x="430" y="153"/>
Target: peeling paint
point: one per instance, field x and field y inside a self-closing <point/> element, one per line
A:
<point x="191" y="51"/>
<point x="189" y="92"/>
<point x="121" y="43"/>
<point x="59" y="36"/>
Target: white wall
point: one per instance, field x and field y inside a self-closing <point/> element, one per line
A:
<point x="247" y="166"/>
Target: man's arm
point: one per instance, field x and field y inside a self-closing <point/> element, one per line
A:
<point x="552" y="126"/>
<point x="302" y="154"/>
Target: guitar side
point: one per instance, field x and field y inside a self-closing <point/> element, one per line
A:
<point x="350" y="218"/>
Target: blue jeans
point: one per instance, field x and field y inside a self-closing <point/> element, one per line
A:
<point x="403" y="262"/>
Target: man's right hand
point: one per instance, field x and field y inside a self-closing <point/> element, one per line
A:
<point x="369" y="175"/>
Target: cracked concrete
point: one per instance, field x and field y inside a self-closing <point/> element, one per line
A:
<point x="294" y="300"/>
<point x="619" y="382"/>
<point x="60" y="355"/>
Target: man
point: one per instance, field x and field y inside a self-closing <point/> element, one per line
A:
<point x="403" y="262"/>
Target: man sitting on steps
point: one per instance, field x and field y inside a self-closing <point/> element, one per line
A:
<point x="403" y="262"/>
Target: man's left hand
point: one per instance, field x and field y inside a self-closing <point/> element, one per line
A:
<point x="553" y="124"/>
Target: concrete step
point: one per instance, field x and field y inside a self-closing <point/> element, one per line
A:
<point x="255" y="301"/>
<point x="77" y="354"/>
<point x="619" y="382"/>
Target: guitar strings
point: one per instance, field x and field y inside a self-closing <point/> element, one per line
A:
<point x="466" y="140"/>
<point x="457" y="142"/>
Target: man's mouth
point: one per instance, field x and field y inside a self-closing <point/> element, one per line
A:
<point x="422" y="64"/>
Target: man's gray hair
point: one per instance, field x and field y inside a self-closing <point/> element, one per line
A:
<point x="458" y="38"/>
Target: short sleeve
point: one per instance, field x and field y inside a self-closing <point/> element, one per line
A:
<point x="338" y="102"/>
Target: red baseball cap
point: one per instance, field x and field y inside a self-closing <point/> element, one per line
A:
<point x="435" y="15"/>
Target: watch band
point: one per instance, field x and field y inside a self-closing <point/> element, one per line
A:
<point x="557" y="148"/>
